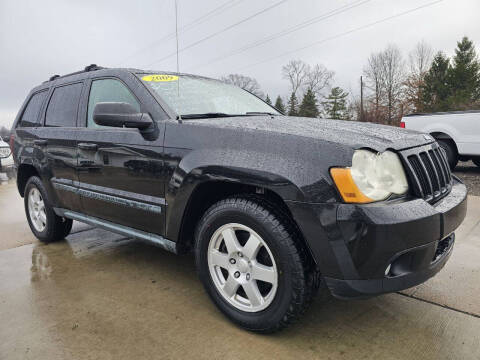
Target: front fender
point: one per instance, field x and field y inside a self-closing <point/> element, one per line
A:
<point x="183" y="185"/>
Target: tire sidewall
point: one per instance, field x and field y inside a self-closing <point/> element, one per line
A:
<point x="283" y="297"/>
<point x="35" y="182"/>
<point x="452" y="156"/>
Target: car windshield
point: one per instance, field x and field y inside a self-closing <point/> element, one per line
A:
<point x="191" y="96"/>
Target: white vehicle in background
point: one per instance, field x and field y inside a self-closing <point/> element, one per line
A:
<point x="6" y="159"/>
<point x="457" y="132"/>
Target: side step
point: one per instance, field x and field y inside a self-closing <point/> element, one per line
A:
<point x="119" y="229"/>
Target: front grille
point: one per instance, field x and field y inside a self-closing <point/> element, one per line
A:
<point x="429" y="172"/>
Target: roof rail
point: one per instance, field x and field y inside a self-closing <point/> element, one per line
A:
<point x="91" y="67"/>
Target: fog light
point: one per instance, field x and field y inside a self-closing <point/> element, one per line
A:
<point x="387" y="270"/>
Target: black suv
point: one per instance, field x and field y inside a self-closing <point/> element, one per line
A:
<point x="274" y="207"/>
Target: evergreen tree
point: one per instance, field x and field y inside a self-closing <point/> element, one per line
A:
<point x="464" y="75"/>
<point x="309" y="108"/>
<point x="268" y="101"/>
<point x="436" y="89"/>
<point x="292" y="105"/>
<point x="335" y="105"/>
<point x="279" y="105"/>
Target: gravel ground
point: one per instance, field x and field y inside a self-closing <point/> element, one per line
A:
<point x="469" y="173"/>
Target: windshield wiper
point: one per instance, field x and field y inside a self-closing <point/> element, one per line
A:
<point x="253" y="113"/>
<point x="208" y="115"/>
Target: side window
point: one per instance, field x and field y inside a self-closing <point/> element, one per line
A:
<point x="63" y="106"/>
<point x="108" y="90"/>
<point x="30" y="115"/>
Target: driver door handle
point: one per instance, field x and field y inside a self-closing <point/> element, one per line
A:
<point x="87" y="146"/>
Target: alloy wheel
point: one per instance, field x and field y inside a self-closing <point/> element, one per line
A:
<point x="36" y="209"/>
<point x="242" y="267"/>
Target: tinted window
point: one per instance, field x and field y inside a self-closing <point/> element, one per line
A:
<point x="30" y="115"/>
<point x="63" y="105"/>
<point x="108" y="90"/>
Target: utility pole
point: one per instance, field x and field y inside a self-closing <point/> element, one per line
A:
<point x="361" y="99"/>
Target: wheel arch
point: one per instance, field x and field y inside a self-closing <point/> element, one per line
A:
<point x="207" y="193"/>
<point x="24" y="172"/>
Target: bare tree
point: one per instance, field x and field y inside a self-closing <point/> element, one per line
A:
<point x="245" y="82"/>
<point x="374" y="78"/>
<point x="420" y="59"/>
<point x="393" y="68"/>
<point x="318" y="78"/>
<point x="296" y="71"/>
<point x="385" y="75"/>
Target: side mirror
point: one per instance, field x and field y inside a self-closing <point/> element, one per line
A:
<point x="120" y="114"/>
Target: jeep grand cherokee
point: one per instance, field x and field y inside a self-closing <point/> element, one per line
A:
<point x="275" y="208"/>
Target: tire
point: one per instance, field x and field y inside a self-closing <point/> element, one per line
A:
<point x="451" y="151"/>
<point x="44" y="223"/>
<point x="281" y="251"/>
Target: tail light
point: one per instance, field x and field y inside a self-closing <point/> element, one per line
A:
<point x="12" y="142"/>
<point x="402" y="124"/>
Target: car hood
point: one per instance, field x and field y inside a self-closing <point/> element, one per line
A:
<point x="349" y="133"/>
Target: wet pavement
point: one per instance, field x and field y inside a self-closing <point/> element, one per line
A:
<point x="99" y="295"/>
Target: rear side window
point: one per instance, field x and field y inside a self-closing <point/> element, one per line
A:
<point x="63" y="105"/>
<point x="108" y="90"/>
<point x="30" y="115"/>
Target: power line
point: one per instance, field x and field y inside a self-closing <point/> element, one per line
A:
<point x="344" y="33"/>
<point x="198" y="21"/>
<point x="289" y="30"/>
<point x="220" y="32"/>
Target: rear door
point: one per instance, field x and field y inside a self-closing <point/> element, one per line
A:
<point x="120" y="171"/>
<point x="57" y="140"/>
<point x="27" y="128"/>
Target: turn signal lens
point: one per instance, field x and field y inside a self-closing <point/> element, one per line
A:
<point x="347" y="187"/>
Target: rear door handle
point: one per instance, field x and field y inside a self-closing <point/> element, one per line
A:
<point x="87" y="146"/>
<point x="40" y="142"/>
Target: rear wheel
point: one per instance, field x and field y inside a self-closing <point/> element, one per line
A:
<point x="451" y="151"/>
<point x="43" y="221"/>
<point x="253" y="265"/>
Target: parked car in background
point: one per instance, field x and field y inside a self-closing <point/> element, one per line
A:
<point x="6" y="159"/>
<point x="275" y="208"/>
<point x="458" y="133"/>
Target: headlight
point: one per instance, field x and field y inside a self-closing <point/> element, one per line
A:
<point x="4" y="152"/>
<point x="372" y="177"/>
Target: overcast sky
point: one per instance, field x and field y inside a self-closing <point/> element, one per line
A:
<point x="42" y="38"/>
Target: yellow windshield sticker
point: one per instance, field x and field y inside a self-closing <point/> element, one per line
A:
<point x="160" y="77"/>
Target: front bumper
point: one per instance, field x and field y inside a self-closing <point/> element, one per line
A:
<point x="355" y="245"/>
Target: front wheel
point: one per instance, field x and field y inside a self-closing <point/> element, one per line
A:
<point x="253" y="265"/>
<point x="43" y="221"/>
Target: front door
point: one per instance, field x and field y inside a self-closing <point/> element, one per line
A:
<point x="119" y="171"/>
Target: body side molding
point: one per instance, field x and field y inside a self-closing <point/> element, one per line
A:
<point x="97" y="192"/>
